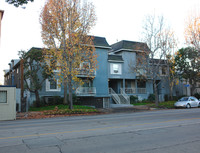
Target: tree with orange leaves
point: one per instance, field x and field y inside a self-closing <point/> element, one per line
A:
<point x="65" y="28"/>
<point x="192" y="32"/>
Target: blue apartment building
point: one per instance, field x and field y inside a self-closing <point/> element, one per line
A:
<point x="112" y="83"/>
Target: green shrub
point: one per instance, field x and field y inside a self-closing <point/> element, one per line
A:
<point x="42" y="103"/>
<point x="76" y="100"/>
<point x="133" y="99"/>
<point x="166" y="97"/>
<point x="145" y="101"/>
<point x="55" y="100"/>
<point x="151" y="98"/>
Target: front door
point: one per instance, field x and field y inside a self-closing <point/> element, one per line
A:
<point x="115" y="85"/>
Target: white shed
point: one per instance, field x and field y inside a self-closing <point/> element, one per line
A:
<point x="7" y="103"/>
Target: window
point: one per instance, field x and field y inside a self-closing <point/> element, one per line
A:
<point x="163" y="71"/>
<point x="3" y="96"/>
<point x="141" y="84"/>
<point x="85" y="65"/>
<point x="52" y="85"/>
<point x="192" y="99"/>
<point x="184" y="99"/>
<point x="115" y="68"/>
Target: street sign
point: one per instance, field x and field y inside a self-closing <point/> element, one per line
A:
<point x="186" y="85"/>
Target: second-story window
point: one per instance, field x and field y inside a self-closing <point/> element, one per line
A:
<point x="52" y="85"/>
<point x="115" y="68"/>
<point x="85" y="65"/>
<point x="141" y="84"/>
<point x="163" y="71"/>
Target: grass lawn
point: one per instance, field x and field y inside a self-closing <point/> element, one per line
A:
<point x="64" y="109"/>
<point x="167" y="104"/>
<point x="59" y="107"/>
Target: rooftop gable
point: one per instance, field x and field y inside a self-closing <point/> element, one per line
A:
<point x="100" y="42"/>
<point x="130" y="45"/>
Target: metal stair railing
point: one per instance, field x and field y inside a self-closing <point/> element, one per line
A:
<point x="125" y="96"/>
<point x="122" y="99"/>
<point x="115" y="96"/>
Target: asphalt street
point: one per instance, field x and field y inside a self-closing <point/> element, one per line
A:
<point x="163" y="131"/>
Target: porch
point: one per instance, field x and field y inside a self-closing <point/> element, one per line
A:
<point x="129" y="86"/>
<point x="86" y="91"/>
<point x="121" y="89"/>
<point x="86" y="73"/>
<point x="135" y="91"/>
<point x="87" y="88"/>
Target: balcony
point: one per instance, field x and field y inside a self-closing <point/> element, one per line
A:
<point x="86" y="91"/>
<point x="135" y="90"/>
<point x="86" y="73"/>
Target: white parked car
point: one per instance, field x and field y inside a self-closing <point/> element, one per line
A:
<point x="187" y="102"/>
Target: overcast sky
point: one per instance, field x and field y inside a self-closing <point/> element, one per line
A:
<point x="116" y="20"/>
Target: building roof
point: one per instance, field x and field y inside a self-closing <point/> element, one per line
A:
<point x="6" y="71"/>
<point x="130" y="45"/>
<point x="100" y="42"/>
<point x="15" y="61"/>
<point x="115" y="58"/>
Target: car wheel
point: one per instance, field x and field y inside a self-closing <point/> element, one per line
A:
<point x="188" y="106"/>
<point x="199" y="105"/>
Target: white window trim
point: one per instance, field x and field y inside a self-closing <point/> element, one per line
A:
<point x="48" y="86"/>
<point x="4" y="97"/>
<point x="112" y="68"/>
